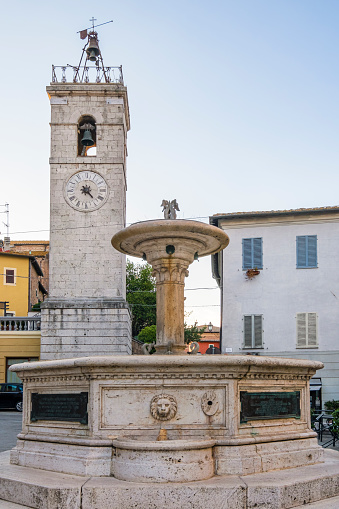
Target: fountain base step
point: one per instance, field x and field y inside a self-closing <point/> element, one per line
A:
<point x="40" y="489"/>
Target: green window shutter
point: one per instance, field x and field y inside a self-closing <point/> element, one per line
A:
<point x="253" y="331"/>
<point x="248" y="331"/>
<point x="301" y="329"/>
<point x="257" y="331"/>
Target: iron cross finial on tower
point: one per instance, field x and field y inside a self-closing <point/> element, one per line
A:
<point x="93" y="19"/>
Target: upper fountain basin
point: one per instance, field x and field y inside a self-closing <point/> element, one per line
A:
<point x="153" y="238"/>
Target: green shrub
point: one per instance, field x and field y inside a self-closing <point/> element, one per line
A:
<point x="331" y="406"/>
<point x="335" y="422"/>
<point x="148" y="334"/>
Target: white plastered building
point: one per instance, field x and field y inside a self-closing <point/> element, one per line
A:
<point x="279" y="283"/>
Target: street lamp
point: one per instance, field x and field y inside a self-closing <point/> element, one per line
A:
<point x="210" y="327"/>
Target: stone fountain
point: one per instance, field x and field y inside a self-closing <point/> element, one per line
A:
<point x="170" y="246"/>
<point x="170" y="429"/>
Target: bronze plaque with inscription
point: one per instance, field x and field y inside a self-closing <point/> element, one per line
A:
<point x="60" y="407"/>
<point x="269" y="405"/>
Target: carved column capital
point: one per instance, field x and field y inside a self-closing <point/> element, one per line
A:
<point x="174" y="271"/>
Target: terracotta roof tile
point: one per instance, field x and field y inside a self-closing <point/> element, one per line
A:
<point x="278" y="212"/>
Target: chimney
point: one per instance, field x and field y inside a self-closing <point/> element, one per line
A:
<point x="7" y="244"/>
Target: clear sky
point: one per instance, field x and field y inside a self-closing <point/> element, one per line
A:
<point x="234" y="107"/>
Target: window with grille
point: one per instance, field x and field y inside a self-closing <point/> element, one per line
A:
<point x="307" y="251"/>
<point x="252" y="253"/>
<point x="253" y="331"/>
<point x="9" y="276"/>
<point x="307" y="330"/>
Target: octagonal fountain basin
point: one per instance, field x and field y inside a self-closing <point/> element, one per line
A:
<point x="138" y="460"/>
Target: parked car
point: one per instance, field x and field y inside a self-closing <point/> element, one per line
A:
<point x="11" y="396"/>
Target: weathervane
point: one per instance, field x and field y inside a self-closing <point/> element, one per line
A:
<point x="85" y="72"/>
<point x="92" y="51"/>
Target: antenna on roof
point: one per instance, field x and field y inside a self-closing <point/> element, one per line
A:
<point x="6" y="211"/>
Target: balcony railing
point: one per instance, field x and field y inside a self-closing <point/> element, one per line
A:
<point x="20" y="323"/>
<point x="87" y="74"/>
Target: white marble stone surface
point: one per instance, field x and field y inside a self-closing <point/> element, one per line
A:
<point x="202" y="393"/>
<point x="86" y="311"/>
<point x="163" y="461"/>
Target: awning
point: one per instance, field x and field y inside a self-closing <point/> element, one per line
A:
<point x="315" y="387"/>
<point x="315" y="384"/>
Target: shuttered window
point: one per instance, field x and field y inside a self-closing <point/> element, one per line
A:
<point x="253" y="333"/>
<point x="9" y="276"/>
<point x="307" y="334"/>
<point x="252" y="253"/>
<point x="307" y="251"/>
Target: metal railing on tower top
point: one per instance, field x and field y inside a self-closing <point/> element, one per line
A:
<point x="87" y="74"/>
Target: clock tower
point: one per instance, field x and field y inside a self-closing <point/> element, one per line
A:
<point x="86" y="312"/>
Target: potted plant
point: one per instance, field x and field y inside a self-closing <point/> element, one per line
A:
<point x="251" y="273"/>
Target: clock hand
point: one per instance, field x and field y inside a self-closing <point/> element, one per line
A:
<point x="86" y="190"/>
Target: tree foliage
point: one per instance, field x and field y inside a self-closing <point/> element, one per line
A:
<point x="141" y="295"/>
<point x="193" y="333"/>
<point x="335" y="422"/>
<point x="148" y="334"/>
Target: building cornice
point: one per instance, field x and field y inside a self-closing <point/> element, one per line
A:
<point x="265" y="218"/>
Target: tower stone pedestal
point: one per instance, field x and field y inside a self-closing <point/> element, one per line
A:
<point x="86" y="312"/>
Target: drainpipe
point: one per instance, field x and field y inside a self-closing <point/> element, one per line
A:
<point x="221" y="297"/>
<point x="29" y="285"/>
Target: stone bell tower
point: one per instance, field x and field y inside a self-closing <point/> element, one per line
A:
<point x="86" y="312"/>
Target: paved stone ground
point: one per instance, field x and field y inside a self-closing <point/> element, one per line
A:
<point x="10" y="426"/>
<point x="327" y="440"/>
<point x="330" y="503"/>
<point x="10" y="505"/>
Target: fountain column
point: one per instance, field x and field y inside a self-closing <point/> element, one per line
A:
<point x="170" y="282"/>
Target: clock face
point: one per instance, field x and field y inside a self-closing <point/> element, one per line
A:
<point x="86" y="191"/>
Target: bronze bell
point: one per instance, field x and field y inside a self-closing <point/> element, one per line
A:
<point x="92" y="49"/>
<point x="87" y="139"/>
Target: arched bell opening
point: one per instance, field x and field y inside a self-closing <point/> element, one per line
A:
<point x="87" y="136"/>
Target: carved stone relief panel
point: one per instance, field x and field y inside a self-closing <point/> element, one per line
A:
<point x="163" y="407"/>
<point x="141" y="407"/>
<point x="210" y="403"/>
